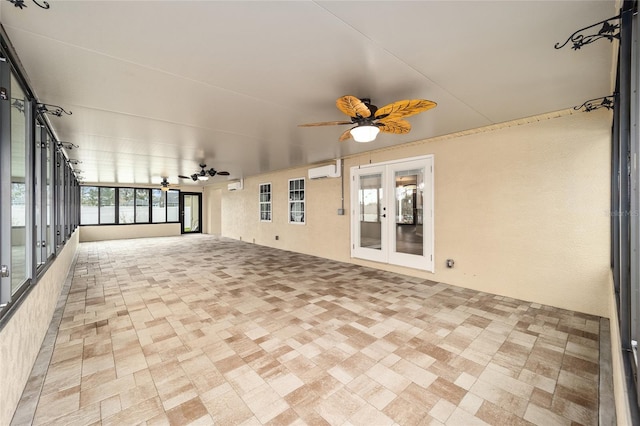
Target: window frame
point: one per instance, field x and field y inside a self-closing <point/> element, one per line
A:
<point x="267" y="204"/>
<point x="292" y="201"/>
<point x="116" y="206"/>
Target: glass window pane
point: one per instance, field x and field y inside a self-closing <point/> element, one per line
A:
<point x="142" y="205"/>
<point x="50" y="234"/>
<point x="18" y="188"/>
<point x="158" y="206"/>
<point x="107" y="205"/>
<point x="126" y="208"/>
<point x="173" y="205"/>
<point x="89" y="205"/>
<point x="40" y="253"/>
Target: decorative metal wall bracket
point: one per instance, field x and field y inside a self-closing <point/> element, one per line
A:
<point x="18" y="104"/>
<point x="68" y="145"/>
<point x="607" y="102"/>
<point x="21" y="4"/>
<point x="609" y="30"/>
<point x="52" y="110"/>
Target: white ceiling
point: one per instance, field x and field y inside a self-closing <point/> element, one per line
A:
<point x="156" y="87"/>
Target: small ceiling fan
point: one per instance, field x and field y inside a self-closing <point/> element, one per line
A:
<point x="204" y="174"/>
<point x="369" y="120"/>
<point x="165" y="185"/>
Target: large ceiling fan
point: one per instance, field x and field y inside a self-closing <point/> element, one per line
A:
<point x="369" y="120"/>
<point x="204" y="174"/>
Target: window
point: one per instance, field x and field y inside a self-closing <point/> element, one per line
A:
<point x="142" y="206"/>
<point x="40" y="195"/>
<point x="126" y="207"/>
<point x="173" y="205"/>
<point x="296" y="201"/>
<point x="265" y="202"/>
<point x="19" y="206"/>
<point x="89" y="213"/>
<point x="107" y="205"/>
<point x="158" y="206"/>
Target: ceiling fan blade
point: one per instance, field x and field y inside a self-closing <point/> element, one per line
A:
<point x="184" y="177"/>
<point x="405" y="108"/>
<point x="396" y="126"/>
<point x="353" y="106"/>
<point x="325" y="123"/>
<point x="223" y="173"/>
<point x="346" y="135"/>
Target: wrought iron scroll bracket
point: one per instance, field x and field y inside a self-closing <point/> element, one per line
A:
<point x="68" y="145"/>
<point x="21" y="4"/>
<point x="52" y="110"/>
<point x="607" y="102"/>
<point x="610" y="29"/>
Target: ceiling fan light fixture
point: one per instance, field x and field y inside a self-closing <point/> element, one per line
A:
<point x="365" y="133"/>
<point x="203" y="177"/>
<point x="164" y="188"/>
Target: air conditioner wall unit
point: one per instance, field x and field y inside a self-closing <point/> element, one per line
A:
<point x="332" y="170"/>
<point x="236" y="186"/>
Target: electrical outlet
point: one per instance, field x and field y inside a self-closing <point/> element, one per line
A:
<point x="277" y="238"/>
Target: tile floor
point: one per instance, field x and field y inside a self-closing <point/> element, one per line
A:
<point x="201" y="330"/>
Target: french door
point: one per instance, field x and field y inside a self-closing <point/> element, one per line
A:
<point x="191" y="212"/>
<point x="392" y="212"/>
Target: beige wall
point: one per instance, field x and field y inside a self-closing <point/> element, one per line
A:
<point x="22" y="336"/>
<point x="522" y="209"/>
<point x="211" y="211"/>
<point x="120" y="232"/>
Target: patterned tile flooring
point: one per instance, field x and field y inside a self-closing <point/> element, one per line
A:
<point x="201" y="330"/>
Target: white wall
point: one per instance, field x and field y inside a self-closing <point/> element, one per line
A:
<point x="522" y="209"/>
<point x="22" y="335"/>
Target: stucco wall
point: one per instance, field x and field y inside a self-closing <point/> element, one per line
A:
<point x="522" y="209"/>
<point x="21" y="337"/>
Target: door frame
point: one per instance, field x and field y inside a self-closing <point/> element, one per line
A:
<point x="182" y="195"/>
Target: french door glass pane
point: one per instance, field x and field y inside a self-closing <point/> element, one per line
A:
<point x="370" y="202"/>
<point x="409" y="185"/>
<point x="18" y="188"/>
<point x="191" y="214"/>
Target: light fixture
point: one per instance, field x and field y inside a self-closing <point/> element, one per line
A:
<point x="203" y="177"/>
<point x="366" y="133"/>
<point x="165" y="188"/>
